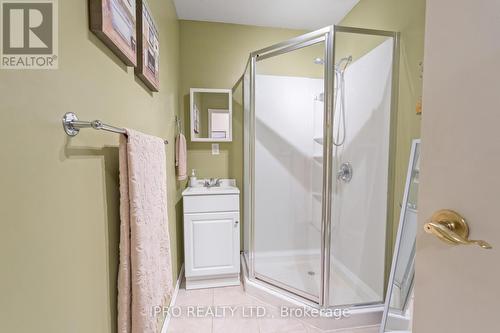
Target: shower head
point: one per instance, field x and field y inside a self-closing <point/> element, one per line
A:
<point x="319" y="61"/>
<point x="341" y="66"/>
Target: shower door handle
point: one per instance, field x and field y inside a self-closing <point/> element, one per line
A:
<point x="451" y="227"/>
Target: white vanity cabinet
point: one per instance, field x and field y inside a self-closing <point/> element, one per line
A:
<point x="211" y="236"/>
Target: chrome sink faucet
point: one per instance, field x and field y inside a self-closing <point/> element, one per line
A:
<point x="212" y="182"/>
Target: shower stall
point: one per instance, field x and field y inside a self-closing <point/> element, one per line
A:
<point x="319" y="130"/>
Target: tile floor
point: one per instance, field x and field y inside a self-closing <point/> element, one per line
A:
<point x="213" y="302"/>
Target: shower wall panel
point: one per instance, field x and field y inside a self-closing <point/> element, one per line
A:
<point x="284" y="152"/>
<point x="360" y="206"/>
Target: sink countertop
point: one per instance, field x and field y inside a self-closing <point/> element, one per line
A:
<point x="228" y="186"/>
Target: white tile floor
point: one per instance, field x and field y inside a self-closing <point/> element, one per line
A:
<point x="235" y="299"/>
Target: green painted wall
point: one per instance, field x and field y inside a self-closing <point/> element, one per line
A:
<point x="59" y="197"/>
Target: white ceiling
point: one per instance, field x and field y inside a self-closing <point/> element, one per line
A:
<point x="293" y="14"/>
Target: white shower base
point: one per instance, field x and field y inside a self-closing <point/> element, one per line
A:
<point x="359" y="317"/>
<point x="302" y="272"/>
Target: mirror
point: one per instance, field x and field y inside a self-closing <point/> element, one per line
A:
<point x="211" y="115"/>
<point x="398" y="308"/>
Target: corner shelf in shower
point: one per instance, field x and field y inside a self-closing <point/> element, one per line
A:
<point x="318" y="159"/>
<point x="318" y="140"/>
<point x="317" y="196"/>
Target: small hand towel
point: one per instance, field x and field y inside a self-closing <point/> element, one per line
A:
<point x="181" y="156"/>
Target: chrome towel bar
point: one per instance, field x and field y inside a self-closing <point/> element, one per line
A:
<point x="72" y="125"/>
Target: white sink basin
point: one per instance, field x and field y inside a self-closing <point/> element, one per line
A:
<point x="226" y="187"/>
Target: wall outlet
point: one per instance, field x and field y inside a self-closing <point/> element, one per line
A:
<point x="215" y="149"/>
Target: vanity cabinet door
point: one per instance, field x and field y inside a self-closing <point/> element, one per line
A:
<point x="212" y="244"/>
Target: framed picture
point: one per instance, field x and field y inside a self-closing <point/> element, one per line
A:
<point x="114" y="22"/>
<point x="148" y="53"/>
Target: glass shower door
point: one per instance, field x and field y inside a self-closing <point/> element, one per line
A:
<point x="288" y="168"/>
<point x="319" y="132"/>
<point x="361" y="166"/>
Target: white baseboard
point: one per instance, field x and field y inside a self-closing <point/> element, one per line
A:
<point x="172" y="301"/>
<point x="213" y="281"/>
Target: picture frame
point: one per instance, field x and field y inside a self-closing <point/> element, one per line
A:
<point x="148" y="50"/>
<point x="114" y="23"/>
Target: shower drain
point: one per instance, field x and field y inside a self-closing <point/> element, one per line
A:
<point x="312" y="273"/>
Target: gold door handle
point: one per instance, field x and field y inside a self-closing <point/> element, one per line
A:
<point x="451" y="227"/>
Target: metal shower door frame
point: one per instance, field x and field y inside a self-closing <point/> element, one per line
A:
<point x="326" y="35"/>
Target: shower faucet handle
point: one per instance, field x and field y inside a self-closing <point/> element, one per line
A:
<point x="345" y="172"/>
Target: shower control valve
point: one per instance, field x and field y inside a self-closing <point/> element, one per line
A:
<point x="345" y="172"/>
